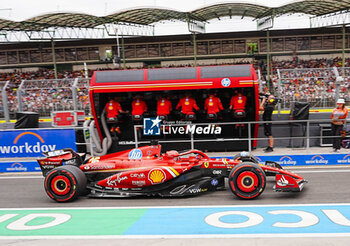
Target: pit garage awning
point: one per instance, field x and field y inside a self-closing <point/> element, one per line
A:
<point x="150" y="15"/>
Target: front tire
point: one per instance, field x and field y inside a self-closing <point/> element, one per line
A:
<point x="65" y="183"/>
<point x="247" y="180"/>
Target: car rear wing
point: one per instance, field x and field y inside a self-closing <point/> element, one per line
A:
<point x="58" y="158"/>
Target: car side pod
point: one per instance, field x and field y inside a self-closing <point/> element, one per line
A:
<point x="286" y="183"/>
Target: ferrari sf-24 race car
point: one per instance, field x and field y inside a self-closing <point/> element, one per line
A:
<point x="145" y="171"/>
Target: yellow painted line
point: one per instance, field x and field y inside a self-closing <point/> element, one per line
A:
<point x="45" y="120"/>
<point x="151" y="86"/>
<point x="40" y="120"/>
<point x="326" y="110"/>
<point x="14" y="121"/>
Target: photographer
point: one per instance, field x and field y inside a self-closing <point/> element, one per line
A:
<point x="268" y="105"/>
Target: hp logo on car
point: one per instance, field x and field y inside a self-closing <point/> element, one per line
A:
<point x="214" y="182"/>
<point x="135" y="154"/>
<point x="226" y="82"/>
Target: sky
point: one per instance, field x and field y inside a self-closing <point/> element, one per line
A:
<point x="18" y="10"/>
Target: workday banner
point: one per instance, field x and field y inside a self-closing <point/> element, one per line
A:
<point x="31" y="143"/>
<point x="305" y="160"/>
<point x="308" y="160"/>
<point x="19" y="166"/>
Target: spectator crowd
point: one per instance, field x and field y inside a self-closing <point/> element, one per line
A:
<point x="41" y="93"/>
<point x="311" y="80"/>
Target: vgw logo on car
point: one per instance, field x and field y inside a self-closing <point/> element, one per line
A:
<point x="25" y="147"/>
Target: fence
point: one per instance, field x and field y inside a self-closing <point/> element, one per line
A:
<point x="44" y="96"/>
<point x="318" y="86"/>
<point x="310" y="133"/>
<point x="345" y="85"/>
<point x="81" y="87"/>
<point x="2" y="85"/>
<point x="3" y="101"/>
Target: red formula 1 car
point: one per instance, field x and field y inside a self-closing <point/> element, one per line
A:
<point x="145" y="171"/>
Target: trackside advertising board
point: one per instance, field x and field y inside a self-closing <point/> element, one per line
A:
<point x="19" y="166"/>
<point x="31" y="143"/>
<point x="308" y="160"/>
<point x="305" y="160"/>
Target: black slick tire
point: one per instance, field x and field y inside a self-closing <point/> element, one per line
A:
<point x="247" y="180"/>
<point x="65" y="183"/>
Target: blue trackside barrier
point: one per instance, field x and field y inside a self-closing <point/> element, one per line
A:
<point x="305" y="160"/>
<point x="32" y="142"/>
<point x="285" y="160"/>
<point x="308" y="160"/>
<point x="19" y="166"/>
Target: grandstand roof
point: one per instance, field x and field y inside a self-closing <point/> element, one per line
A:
<point x="147" y="16"/>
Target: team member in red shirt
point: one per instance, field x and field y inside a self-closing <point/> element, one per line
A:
<point x="113" y="110"/>
<point x="238" y="101"/>
<point x="163" y="106"/>
<point x="139" y="106"/>
<point x="237" y="105"/>
<point x="187" y="104"/>
<point x="212" y="104"/>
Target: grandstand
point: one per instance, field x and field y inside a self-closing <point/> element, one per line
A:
<point x="175" y="50"/>
<point x="316" y="85"/>
<point x="302" y="63"/>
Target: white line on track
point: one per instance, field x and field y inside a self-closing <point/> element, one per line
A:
<point x="171" y="207"/>
<point x="277" y="235"/>
<point x="321" y="171"/>
<point x="293" y="170"/>
<point x="22" y="177"/>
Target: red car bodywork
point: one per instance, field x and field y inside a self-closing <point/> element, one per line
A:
<point x="145" y="171"/>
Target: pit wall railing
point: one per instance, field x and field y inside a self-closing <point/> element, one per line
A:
<point x="28" y="139"/>
<point x="311" y="133"/>
<point x="321" y="87"/>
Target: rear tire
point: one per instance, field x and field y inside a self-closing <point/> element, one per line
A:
<point x="247" y="180"/>
<point x="65" y="183"/>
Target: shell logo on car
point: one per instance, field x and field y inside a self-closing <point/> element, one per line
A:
<point x="156" y="176"/>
